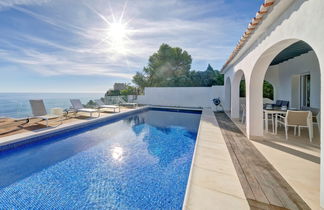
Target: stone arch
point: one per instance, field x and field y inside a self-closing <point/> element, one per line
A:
<point x="254" y="86"/>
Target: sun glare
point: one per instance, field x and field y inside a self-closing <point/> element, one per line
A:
<point x="117" y="36"/>
<point x="116" y="33"/>
<point x="117" y="153"/>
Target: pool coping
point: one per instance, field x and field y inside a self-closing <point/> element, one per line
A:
<point x="213" y="182"/>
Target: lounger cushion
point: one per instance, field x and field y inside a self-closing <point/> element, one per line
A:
<point x="49" y="116"/>
<point x="285" y="103"/>
<point x="108" y="106"/>
<point x="87" y="110"/>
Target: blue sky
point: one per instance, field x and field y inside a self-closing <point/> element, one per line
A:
<point x="87" y="45"/>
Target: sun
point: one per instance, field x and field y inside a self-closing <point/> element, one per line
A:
<point x="117" y="33"/>
<point x="117" y="36"/>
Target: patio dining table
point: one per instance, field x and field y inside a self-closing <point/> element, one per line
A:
<point x="274" y="112"/>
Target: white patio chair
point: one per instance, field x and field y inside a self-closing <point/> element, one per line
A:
<point x="78" y="107"/>
<point x="39" y="111"/>
<point x="316" y="117"/>
<point x="318" y="122"/>
<point x="297" y="119"/>
<point x="101" y="105"/>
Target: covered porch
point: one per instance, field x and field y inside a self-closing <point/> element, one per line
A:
<point x="294" y="77"/>
<point x="290" y="60"/>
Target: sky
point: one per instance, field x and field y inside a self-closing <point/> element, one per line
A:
<point x="88" y="45"/>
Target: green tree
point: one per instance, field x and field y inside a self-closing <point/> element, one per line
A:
<point x="130" y="90"/>
<point x="207" y="78"/>
<point x="242" y="89"/>
<point x="112" y="93"/>
<point x="168" y="67"/>
<point x="140" y="80"/>
<point x="267" y="89"/>
<point x="90" y="104"/>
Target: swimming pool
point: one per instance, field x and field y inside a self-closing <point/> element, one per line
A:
<point x="139" y="162"/>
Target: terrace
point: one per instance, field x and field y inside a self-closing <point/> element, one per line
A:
<point x="238" y="161"/>
<point x="11" y="126"/>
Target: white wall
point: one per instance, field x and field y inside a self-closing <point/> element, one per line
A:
<point x="289" y="21"/>
<point x="182" y="96"/>
<point x="280" y="76"/>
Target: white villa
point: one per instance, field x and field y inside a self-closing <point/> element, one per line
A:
<point x="284" y="45"/>
<point x="248" y="151"/>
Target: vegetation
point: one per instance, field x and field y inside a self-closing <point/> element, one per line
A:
<point x="267" y="89"/>
<point x="242" y="89"/>
<point x="206" y="78"/>
<point x="129" y="90"/>
<point x="112" y="93"/>
<point x="170" y="67"/>
<point x="90" y="104"/>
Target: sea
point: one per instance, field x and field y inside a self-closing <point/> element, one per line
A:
<point x="16" y="105"/>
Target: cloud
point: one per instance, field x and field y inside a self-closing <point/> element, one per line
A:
<point x="76" y="42"/>
<point x="5" y="4"/>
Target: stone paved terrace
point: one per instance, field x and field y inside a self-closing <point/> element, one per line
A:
<point x="9" y="126"/>
<point x="213" y="183"/>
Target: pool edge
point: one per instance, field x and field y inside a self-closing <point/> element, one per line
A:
<point x="216" y="185"/>
<point x="21" y="137"/>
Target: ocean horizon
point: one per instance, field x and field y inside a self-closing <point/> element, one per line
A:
<point x="16" y="105"/>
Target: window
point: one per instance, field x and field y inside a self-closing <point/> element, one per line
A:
<point x="305" y="90"/>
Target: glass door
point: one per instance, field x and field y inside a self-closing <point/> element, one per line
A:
<point x="305" y="90"/>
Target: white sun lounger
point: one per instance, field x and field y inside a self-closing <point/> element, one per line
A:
<point x="124" y="103"/>
<point x="39" y="111"/>
<point x="78" y="107"/>
<point x="101" y="105"/>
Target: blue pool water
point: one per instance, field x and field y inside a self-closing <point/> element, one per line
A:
<point x="139" y="162"/>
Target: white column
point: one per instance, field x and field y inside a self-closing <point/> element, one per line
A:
<point x="322" y="140"/>
<point x="235" y="101"/>
<point x="254" y="108"/>
<point x="227" y="105"/>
